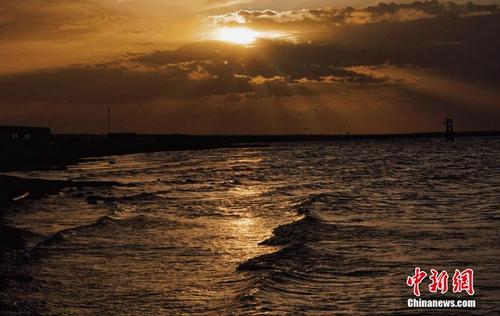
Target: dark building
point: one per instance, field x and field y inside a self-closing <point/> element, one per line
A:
<point x="23" y="145"/>
<point x="19" y="135"/>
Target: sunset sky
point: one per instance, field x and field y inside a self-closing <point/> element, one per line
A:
<point x="249" y="66"/>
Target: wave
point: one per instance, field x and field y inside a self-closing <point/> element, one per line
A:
<point x="296" y="235"/>
<point x="94" y="199"/>
<point x="120" y="219"/>
<point x="302" y="239"/>
<point x="62" y="235"/>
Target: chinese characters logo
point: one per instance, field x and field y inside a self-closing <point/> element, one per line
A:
<point x="462" y="281"/>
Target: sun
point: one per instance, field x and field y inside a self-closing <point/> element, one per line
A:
<point x="239" y="35"/>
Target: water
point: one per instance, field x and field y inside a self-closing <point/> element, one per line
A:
<point x="287" y="229"/>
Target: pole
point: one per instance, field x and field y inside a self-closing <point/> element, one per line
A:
<point x="109" y="121"/>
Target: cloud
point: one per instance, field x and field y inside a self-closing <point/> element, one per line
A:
<point x="349" y="16"/>
<point x="103" y="84"/>
<point x="131" y="83"/>
<point x="459" y="39"/>
<point x="270" y="68"/>
<point x="268" y="58"/>
<point x="34" y="19"/>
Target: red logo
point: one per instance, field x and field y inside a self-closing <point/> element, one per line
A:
<point x="415" y="280"/>
<point x="439" y="281"/>
<point x="462" y="281"/>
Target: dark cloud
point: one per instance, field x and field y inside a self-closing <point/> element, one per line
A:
<point x="268" y="59"/>
<point x="91" y="84"/>
<point x="112" y="84"/>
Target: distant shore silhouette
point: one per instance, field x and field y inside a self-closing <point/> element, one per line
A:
<point x="29" y="152"/>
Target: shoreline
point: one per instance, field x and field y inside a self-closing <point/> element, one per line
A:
<point x="64" y="149"/>
<point x="13" y="248"/>
<point x="13" y="188"/>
